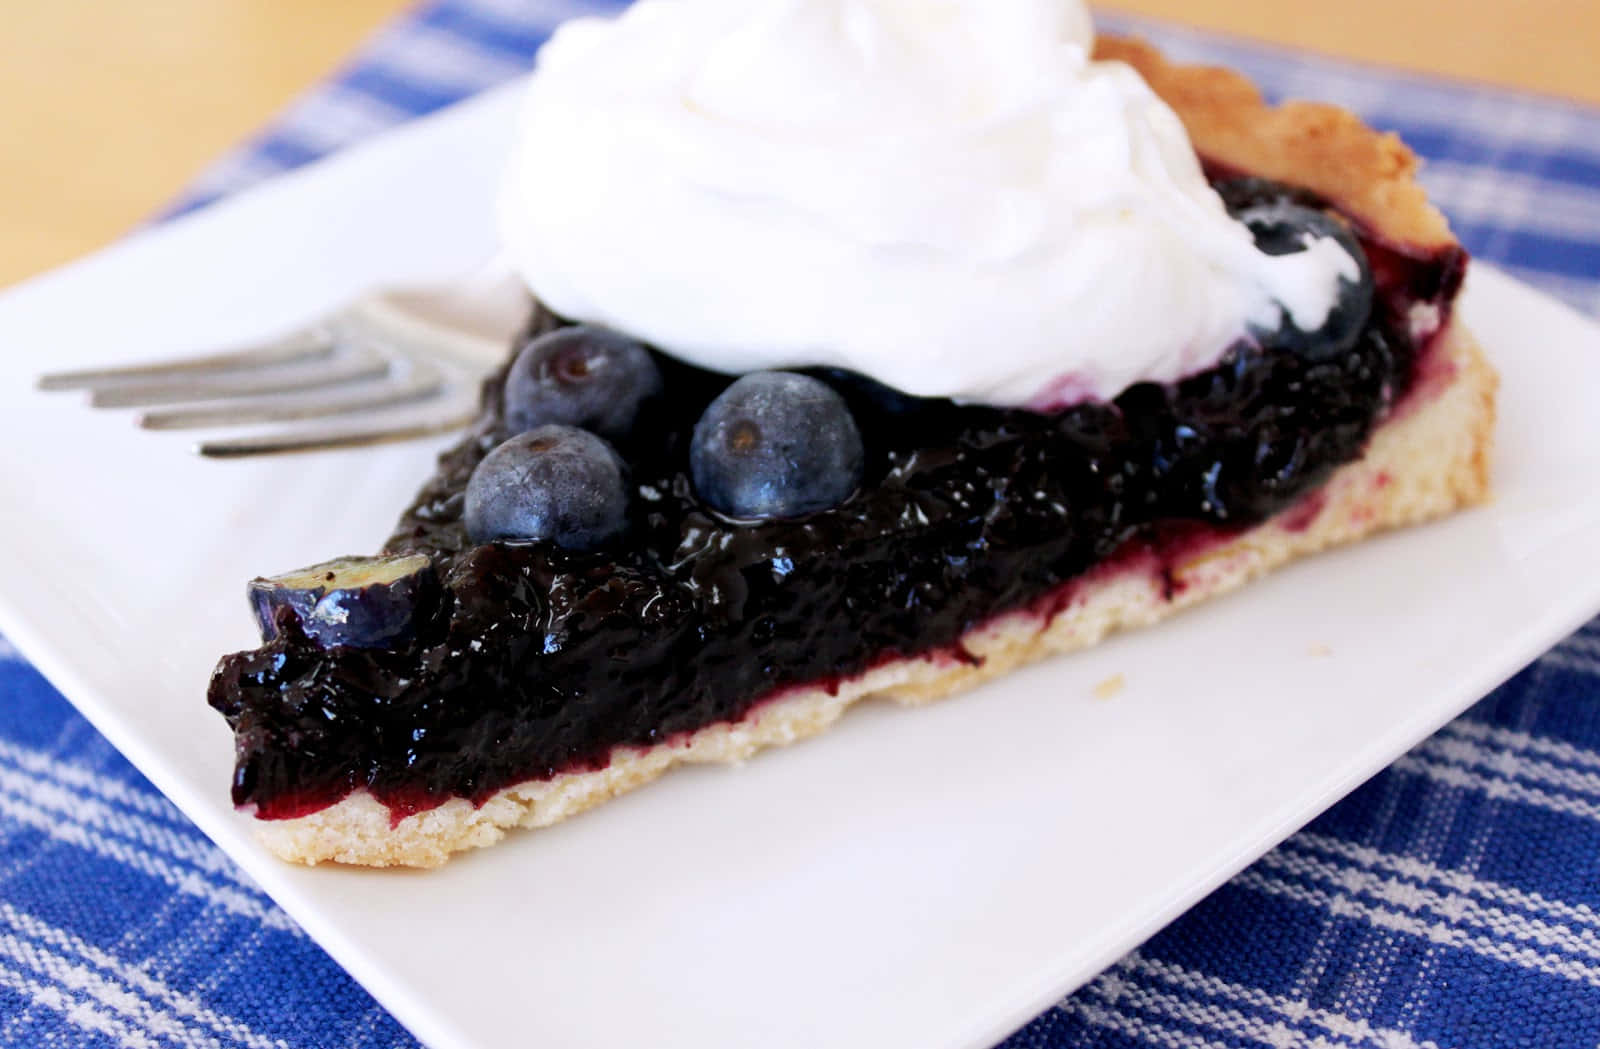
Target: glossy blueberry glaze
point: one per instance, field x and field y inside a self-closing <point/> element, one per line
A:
<point x="537" y="661"/>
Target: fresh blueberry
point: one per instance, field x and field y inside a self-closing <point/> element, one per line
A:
<point x="580" y="376"/>
<point x="1283" y="221"/>
<point x="553" y="482"/>
<point x="363" y="602"/>
<point x="776" y="444"/>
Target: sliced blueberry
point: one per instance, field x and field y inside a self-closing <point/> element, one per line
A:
<point x="363" y="602"/>
<point x="582" y="376"/>
<point x="1284" y="223"/>
<point x="554" y="482"/>
<point x="776" y="444"/>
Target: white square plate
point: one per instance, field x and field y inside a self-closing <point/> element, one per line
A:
<point x="925" y="878"/>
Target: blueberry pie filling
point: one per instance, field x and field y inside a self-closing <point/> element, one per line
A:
<point x="876" y="351"/>
<point x="697" y="544"/>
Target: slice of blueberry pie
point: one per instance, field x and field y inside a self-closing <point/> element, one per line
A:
<point x="878" y="348"/>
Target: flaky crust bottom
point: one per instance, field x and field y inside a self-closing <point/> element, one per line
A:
<point x="1430" y="458"/>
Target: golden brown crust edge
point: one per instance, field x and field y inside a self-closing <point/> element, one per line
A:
<point x="1325" y="148"/>
<point x="1430" y="459"/>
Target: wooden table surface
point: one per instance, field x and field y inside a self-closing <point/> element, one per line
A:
<point x="108" y="106"/>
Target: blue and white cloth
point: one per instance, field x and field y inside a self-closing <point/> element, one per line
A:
<point x="1453" y="901"/>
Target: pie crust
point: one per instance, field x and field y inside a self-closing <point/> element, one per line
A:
<point x="1431" y="456"/>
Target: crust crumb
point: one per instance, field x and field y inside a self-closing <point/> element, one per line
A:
<point x="1111" y="687"/>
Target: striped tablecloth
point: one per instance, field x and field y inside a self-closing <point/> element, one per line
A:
<point x="1454" y="900"/>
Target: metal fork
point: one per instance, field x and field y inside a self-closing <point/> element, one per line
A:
<point x="413" y="358"/>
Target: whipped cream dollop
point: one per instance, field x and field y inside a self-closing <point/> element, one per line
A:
<point x="947" y="195"/>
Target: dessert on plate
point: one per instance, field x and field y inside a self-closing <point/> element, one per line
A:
<point x="877" y="348"/>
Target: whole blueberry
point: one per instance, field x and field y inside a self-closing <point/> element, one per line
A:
<point x="1283" y="225"/>
<point x="582" y="376"/>
<point x="776" y="444"/>
<point x="1249" y="190"/>
<point x="553" y="482"/>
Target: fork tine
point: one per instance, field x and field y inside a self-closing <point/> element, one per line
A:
<point x="424" y="381"/>
<point x="317" y="440"/>
<point x="358" y="366"/>
<point x="411" y="358"/>
<point x="304" y="345"/>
